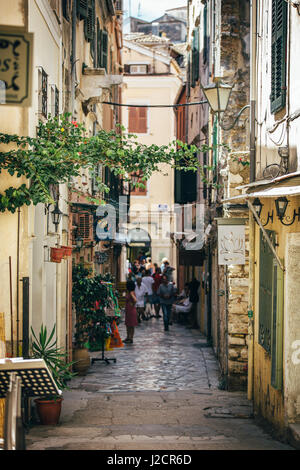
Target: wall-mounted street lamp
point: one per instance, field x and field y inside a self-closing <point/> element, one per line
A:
<point x="281" y="204"/>
<point x="56" y="216"/>
<point x="258" y="208"/>
<point x="79" y="243"/>
<point x="217" y="95"/>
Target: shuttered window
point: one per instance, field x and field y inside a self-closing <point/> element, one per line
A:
<point x="195" y="57"/>
<point x="265" y="291"/>
<point x="89" y="22"/>
<point x="277" y="328"/>
<point x="82" y="9"/>
<point x="102" y="47"/>
<point x="137" y="120"/>
<point x="85" y="226"/>
<point x="279" y="42"/>
<point x="138" y="191"/>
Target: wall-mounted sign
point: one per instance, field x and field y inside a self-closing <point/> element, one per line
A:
<point x="16" y="47"/>
<point x="231" y="241"/>
<point x="101" y="258"/>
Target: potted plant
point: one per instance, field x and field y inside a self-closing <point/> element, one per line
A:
<point x="67" y="251"/>
<point x="91" y="297"/>
<point x="44" y="347"/>
<point x="56" y="255"/>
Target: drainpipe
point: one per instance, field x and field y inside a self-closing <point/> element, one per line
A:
<point x="73" y="56"/>
<point x="69" y="271"/>
<point x="253" y="15"/>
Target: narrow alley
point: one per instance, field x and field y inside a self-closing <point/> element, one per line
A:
<point x="162" y="394"/>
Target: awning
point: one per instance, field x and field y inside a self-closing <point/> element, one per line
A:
<point x="269" y="192"/>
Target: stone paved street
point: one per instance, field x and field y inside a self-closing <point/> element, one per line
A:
<point x="162" y="394"/>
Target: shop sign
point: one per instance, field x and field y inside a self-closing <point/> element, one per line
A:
<point x="101" y="258"/>
<point x="16" y="47"/>
<point x="231" y="241"/>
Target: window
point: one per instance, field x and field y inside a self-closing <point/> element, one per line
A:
<point x="89" y="22"/>
<point x="85" y="226"/>
<point x="138" y="69"/>
<point x="277" y="328"/>
<point x="137" y="120"/>
<point x="265" y="291"/>
<point x="54" y="101"/>
<point x="278" y="55"/>
<point x="205" y="35"/>
<point x="102" y="47"/>
<point x="43" y="92"/>
<point x="66" y="9"/>
<point x="195" y="57"/>
<point x="138" y="191"/>
<point x="82" y="9"/>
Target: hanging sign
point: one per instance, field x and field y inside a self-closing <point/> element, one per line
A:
<point x="16" y="47"/>
<point x="231" y="241"/>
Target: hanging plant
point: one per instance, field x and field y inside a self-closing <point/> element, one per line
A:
<point x="62" y="149"/>
<point x="91" y="296"/>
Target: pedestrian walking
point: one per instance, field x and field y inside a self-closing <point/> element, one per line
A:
<point x="140" y="293"/>
<point x="130" y="312"/>
<point x="148" y="282"/>
<point x="157" y="276"/>
<point x="194" y="299"/>
<point x="166" y="292"/>
<point x="150" y="266"/>
<point x="168" y="271"/>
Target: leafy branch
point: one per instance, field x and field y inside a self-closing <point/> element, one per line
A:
<point x="62" y="148"/>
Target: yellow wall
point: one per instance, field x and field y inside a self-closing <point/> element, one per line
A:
<point x="269" y="402"/>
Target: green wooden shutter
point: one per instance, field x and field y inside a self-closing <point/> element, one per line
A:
<point x="265" y="291"/>
<point x="278" y="68"/>
<point x="195" y="57"/>
<point x="104" y="49"/>
<point x="99" y="45"/>
<point x="82" y="9"/>
<point x="277" y="328"/>
<point x="89" y="23"/>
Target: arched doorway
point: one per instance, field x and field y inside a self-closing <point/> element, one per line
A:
<point x="138" y="241"/>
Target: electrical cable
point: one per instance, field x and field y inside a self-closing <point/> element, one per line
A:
<point x="154" y="105"/>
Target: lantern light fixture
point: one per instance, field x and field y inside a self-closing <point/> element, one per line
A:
<point x="217" y="95"/>
<point x="56" y="216"/>
<point x="258" y="208"/>
<point x="281" y="204"/>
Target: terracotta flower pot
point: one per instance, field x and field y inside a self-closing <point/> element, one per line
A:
<point x="48" y="411"/>
<point x="82" y="360"/>
<point x="67" y="251"/>
<point x="56" y="255"/>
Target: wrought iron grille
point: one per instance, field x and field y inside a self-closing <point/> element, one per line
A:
<point x="56" y="102"/>
<point x="44" y="93"/>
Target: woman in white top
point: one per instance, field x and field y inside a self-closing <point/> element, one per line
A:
<point x="140" y="293"/>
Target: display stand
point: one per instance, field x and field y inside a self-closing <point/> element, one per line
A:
<point x="103" y="358"/>
<point x="115" y="312"/>
<point x="20" y="379"/>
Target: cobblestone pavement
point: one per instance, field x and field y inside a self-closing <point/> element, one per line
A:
<point x="162" y="394"/>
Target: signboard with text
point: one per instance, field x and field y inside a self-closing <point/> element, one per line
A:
<point x="16" y="47"/>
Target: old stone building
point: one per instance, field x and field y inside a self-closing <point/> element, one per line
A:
<point x="218" y="44"/>
<point x="173" y="25"/>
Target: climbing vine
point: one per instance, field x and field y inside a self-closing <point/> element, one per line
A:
<point x="62" y="148"/>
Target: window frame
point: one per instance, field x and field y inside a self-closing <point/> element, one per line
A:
<point x="279" y="28"/>
<point x="139" y="107"/>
